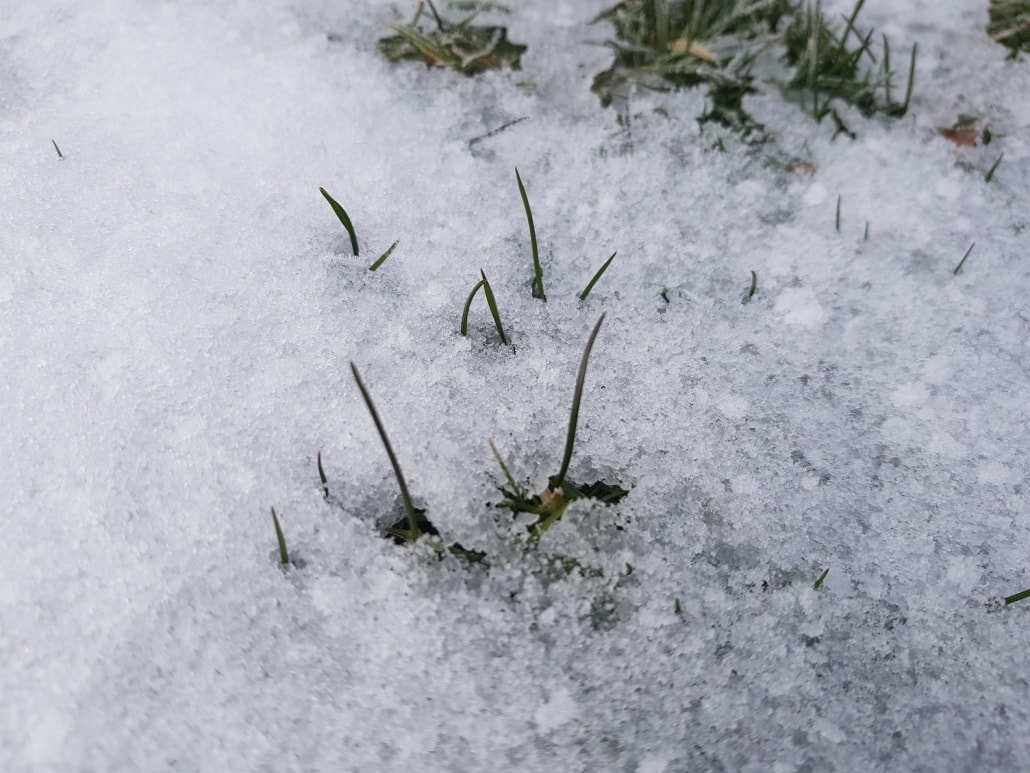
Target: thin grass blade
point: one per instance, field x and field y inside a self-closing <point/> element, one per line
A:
<point x="577" y="396"/>
<point x="59" y="153"/>
<point x="1017" y="597"/>
<point x="990" y="172"/>
<point x="343" y="217"/>
<point x="321" y="476"/>
<point x="492" y="303"/>
<point x="468" y="305"/>
<point x="754" y="285"/>
<point x="515" y="487"/>
<point x="819" y="583"/>
<point x="538" y="271"/>
<point x="382" y="258"/>
<point x="409" y="507"/>
<point x="963" y="261"/>
<point x="284" y="557"/>
<point x="590" y="286"/>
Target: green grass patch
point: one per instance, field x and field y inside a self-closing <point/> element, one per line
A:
<point x="343" y="217"/>
<point x="463" y="46"/>
<point x="1010" y="24"/>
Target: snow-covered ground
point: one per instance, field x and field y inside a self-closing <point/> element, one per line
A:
<point x="179" y="308"/>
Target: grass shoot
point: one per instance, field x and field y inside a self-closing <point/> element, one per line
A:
<point x="1017" y="597"/>
<point x="990" y="172"/>
<point x="754" y="285"/>
<point x="344" y="218"/>
<point x="321" y="477"/>
<point x="414" y="531"/>
<point x="491" y="301"/>
<point x="382" y="258"/>
<point x="837" y="218"/>
<point x="538" y="271"/>
<point x="819" y="583"/>
<point x="284" y="556"/>
<point x="59" y="153"/>
<point x="590" y="285"/>
<point x="963" y="261"/>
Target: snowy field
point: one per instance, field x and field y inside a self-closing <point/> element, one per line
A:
<point x="179" y="308"/>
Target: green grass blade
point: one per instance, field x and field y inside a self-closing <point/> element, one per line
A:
<point x="321" y="476"/>
<point x="963" y="261"/>
<point x="492" y="303"/>
<point x="837" y="220"/>
<point x="990" y="172"/>
<point x="59" y="153"/>
<point x="586" y="291"/>
<point x="819" y="582"/>
<point x="538" y="271"/>
<point x="577" y="396"/>
<point x="515" y="487"/>
<point x="382" y="258"/>
<point x="409" y="507"/>
<point x="284" y="557"/>
<point x="1017" y="597"/>
<point x="754" y="285"/>
<point x="468" y="305"/>
<point x="344" y="218"/>
<point x="865" y="236"/>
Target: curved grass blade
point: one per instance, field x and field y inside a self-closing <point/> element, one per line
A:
<point x="284" y="557"/>
<point x="577" y="396"/>
<point x="344" y="218"/>
<point x="468" y="305"/>
<point x="590" y="286"/>
<point x="492" y="303"/>
<point x="382" y="258"/>
<point x="754" y="285"/>
<point x="409" y="508"/>
<point x="321" y="476"/>
<point x="538" y="271"/>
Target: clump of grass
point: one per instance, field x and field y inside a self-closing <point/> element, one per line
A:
<point x="382" y="258"/>
<point x="344" y="218"/>
<point x="590" y="285"/>
<point x="551" y="503"/>
<point x="491" y="301"/>
<point x="1010" y="24"/>
<point x="462" y="46"/>
<point x="962" y="262"/>
<point x="284" y="556"/>
<point x="829" y="70"/>
<point x="538" y="271"/>
<point x="672" y="44"/>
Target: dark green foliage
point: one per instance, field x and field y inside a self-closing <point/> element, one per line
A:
<point x="343" y="217"/>
<point x="1017" y="597"/>
<point x="462" y="46"/>
<point x="1010" y="24"/>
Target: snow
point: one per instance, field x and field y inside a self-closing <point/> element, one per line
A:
<point x="179" y="308"/>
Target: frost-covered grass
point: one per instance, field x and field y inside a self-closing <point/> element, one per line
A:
<point x="821" y="423"/>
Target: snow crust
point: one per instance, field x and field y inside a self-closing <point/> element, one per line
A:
<point x="179" y="308"/>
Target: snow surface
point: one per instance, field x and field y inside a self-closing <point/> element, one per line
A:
<point x="178" y="310"/>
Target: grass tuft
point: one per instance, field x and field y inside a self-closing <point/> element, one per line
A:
<point x="382" y="258"/>
<point x="341" y="213"/>
<point x="963" y="261"/>
<point x="538" y="271"/>
<point x="590" y="286"/>
<point x="284" y="556"/>
<point x="462" y="46"/>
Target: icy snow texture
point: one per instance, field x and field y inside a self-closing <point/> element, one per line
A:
<point x="177" y="318"/>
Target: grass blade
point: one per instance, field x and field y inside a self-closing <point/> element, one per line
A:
<point x="837" y="220"/>
<point x="519" y="492"/>
<point x="409" y="507"/>
<point x="963" y="261"/>
<point x="321" y="475"/>
<point x="344" y="218"/>
<point x="577" y="396"/>
<point x="990" y="172"/>
<point x="754" y="285"/>
<point x="538" y="271"/>
<point x="59" y="153"/>
<point x="468" y="305"/>
<point x="382" y="258"/>
<point x="819" y="582"/>
<point x="284" y="557"/>
<point x="586" y="291"/>
<point x="1017" y="597"/>
<point x="492" y="303"/>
